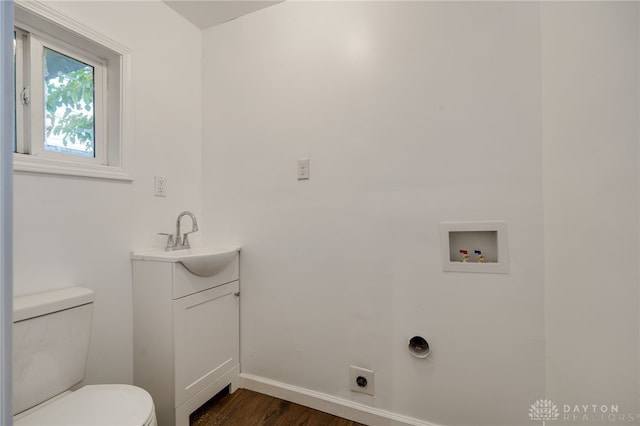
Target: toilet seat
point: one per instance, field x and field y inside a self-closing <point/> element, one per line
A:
<point x="96" y="405"/>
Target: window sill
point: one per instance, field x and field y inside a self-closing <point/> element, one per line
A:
<point x="27" y="163"/>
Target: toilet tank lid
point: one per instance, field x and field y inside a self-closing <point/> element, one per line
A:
<point x="38" y="304"/>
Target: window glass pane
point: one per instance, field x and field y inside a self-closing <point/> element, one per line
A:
<point x="69" y="105"/>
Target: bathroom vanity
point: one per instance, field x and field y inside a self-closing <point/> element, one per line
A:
<point x="185" y="327"/>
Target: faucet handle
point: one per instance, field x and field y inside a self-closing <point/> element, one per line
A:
<point x="170" y="243"/>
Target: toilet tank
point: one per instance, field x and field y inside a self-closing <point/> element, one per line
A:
<point x="51" y="332"/>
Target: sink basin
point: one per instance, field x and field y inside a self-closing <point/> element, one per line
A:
<point x="201" y="261"/>
<point x="207" y="264"/>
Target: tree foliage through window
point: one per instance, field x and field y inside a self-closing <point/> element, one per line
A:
<point x="69" y="105"/>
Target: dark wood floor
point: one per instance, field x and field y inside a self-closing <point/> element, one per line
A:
<point x="248" y="408"/>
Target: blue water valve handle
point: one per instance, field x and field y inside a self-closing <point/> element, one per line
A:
<point x="480" y="255"/>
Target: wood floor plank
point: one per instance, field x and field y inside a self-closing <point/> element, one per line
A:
<point x="248" y="408"/>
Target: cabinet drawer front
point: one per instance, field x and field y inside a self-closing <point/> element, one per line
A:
<point x="186" y="283"/>
<point x="206" y="330"/>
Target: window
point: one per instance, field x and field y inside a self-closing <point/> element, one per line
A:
<point x="70" y="104"/>
<point x="71" y="97"/>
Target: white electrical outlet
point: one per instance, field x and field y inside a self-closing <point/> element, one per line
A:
<point x="361" y="380"/>
<point x="160" y="184"/>
<point x="303" y="169"/>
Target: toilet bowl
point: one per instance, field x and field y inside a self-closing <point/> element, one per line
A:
<point x="94" y="405"/>
<point x="50" y="345"/>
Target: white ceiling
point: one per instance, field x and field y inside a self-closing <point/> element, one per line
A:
<point x="205" y="13"/>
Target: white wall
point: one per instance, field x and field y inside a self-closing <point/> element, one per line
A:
<point x="590" y="140"/>
<point x="75" y="231"/>
<point x="412" y="113"/>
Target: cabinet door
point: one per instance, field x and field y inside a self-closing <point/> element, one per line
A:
<point x="206" y="338"/>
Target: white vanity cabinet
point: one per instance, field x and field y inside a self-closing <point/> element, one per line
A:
<point x="185" y="333"/>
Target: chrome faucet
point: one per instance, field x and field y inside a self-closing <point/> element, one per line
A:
<point x="194" y="227"/>
<point x="180" y="242"/>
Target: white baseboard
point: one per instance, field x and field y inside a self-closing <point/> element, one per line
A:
<point x="340" y="407"/>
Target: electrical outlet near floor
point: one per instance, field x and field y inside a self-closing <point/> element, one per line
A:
<point x="361" y="380"/>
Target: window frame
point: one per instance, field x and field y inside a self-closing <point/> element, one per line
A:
<point x="20" y="117"/>
<point x="35" y="144"/>
<point x="40" y="27"/>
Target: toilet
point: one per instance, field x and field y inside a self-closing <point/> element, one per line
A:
<point x="51" y="333"/>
